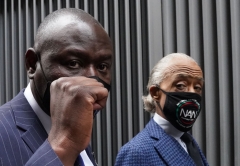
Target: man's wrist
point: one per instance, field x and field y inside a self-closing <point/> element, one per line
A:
<point x="65" y="150"/>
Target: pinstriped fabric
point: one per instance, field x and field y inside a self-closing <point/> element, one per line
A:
<point x="46" y="154"/>
<point x="22" y="136"/>
<point x="152" y="146"/>
<point x="13" y="152"/>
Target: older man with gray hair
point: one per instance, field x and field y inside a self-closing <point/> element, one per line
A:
<point x="174" y="96"/>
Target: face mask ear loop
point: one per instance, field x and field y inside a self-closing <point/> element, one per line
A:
<point x="42" y="97"/>
<point x="159" y="106"/>
<point x="165" y="92"/>
<point x="48" y="82"/>
<point x="160" y="89"/>
<point x="157" y="101"/>
<point x="34" y="80"/>
<point x="38" y="57"/>
<point x="37" y="90"/>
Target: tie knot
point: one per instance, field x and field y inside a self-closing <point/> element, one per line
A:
<point x="186" y="138"/>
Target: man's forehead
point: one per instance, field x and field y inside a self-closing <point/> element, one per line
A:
<point x="65" y="32"/>
<point x="184" y="70"/>
<point x="63" y="24"/>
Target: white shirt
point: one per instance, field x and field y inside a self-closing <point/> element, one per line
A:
<point x="170" y="129"/>
<point x="46" y="120"/>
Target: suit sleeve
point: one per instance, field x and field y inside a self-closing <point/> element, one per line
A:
<point x="44" y="156"/>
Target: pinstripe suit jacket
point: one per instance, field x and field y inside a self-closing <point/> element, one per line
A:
<point x="23" y="140"/>
<point x="153" y="147"/>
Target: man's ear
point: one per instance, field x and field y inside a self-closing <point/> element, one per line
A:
<point x="31" y="62"/>
<point x="155" y="93"/>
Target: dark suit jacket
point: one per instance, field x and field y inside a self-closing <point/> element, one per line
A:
<point x="23" y="140"/>
<point x="153" y="147"/>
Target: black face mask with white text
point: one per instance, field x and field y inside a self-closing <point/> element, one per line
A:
<point x="181" y="109"/>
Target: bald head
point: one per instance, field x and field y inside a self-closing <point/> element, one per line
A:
<point x="53" y="24"/>
<point x="69" y="43"/>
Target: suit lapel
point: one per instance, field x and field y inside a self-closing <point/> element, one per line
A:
<point x="33" y="133"/>
<point x="91" y="155"/>
<point x="167" y="147"/>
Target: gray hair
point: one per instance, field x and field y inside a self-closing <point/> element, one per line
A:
<point x="158" y="74"/>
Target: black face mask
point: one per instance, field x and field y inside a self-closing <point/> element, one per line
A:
<point x="46" y="96"/>
<point x="181" y="109"/>
<point x="106" y="85"/>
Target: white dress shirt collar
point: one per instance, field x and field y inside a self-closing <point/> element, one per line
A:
<point x="170" y="129"/>
<point x="43" y="117"/>
<point x="167" y="126"/>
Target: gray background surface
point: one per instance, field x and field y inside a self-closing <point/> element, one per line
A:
<point x="143" y="31"/>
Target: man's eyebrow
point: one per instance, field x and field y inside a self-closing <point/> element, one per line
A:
<point x="84" y="54"/>
<point x="186" y="75"/>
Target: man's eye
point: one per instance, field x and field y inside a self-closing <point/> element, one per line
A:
<point x="74" y="64"/>
<point x="198" y="88"/>
<point x="103" y="67"/>
<point x="180" y="86"/>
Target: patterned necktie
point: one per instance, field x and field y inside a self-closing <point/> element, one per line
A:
<point x="192" y="149"/>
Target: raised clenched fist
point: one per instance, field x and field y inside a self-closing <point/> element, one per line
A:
<point x="73" y="100"/>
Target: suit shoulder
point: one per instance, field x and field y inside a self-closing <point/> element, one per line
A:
<point x="139" y="151"/>
<point x="5" y="107"/>
<point x="141" y="143"/>
<point x="6" y="118"/>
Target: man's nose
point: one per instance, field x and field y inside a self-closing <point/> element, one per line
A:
<point x="90" y="71"/>
<point x="191" y="89"/>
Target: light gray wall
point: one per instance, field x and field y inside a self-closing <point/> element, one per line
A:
<point x="143" y="31"/>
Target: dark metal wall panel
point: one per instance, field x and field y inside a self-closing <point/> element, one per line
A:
<point x="235" y="83"/>
<point x="155" y="32"/>
<point x="225" y="79"/>
<point x="211" y="82"/>
<point x="196" y="51"/>
<point x="142" y="32"/>
<point x="169" y="26"/>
